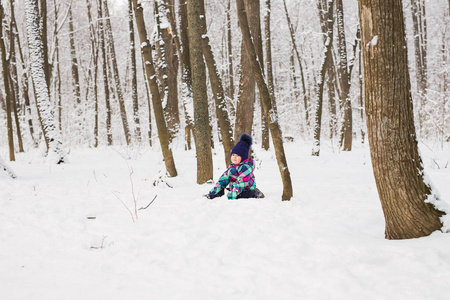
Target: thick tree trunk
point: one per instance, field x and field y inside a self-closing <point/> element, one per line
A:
<point x="55" y="150"/>
<point x="404" y="193"/>
<point x="347" y="124"/>
<point x="202" y="132"/>
<point x="146" y="51"/>
<point x="115" y="68"/>
<point x="321" y="82"/>
<point x="217" y="89"/>
<point x="269" y="111"/>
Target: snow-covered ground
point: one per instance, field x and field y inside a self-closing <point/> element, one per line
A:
<point x="67" y="231"/>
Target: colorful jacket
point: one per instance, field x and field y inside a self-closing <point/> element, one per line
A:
<point x="238" y="178"/>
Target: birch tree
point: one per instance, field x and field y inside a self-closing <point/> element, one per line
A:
<point x="4" y="167"/>
<point x="56" y="153"/>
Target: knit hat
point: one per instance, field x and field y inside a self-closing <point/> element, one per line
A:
<point x="243" y="146"/>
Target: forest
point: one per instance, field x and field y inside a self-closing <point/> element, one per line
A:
<point x="118" y="116"/>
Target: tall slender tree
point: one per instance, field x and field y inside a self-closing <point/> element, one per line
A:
<point x="115" y="69"/>
<point x="5" y="74"/>
<point x="133" y="70"/>
<point x="398" y="169"/>
<point x="146" y="51"/>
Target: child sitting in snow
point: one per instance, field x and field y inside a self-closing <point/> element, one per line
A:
<point x="238" y="178"/>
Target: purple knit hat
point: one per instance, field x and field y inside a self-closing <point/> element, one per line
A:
<point x="243" y="146"/>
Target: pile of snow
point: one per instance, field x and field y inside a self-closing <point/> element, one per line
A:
<point x="67" y="231"/>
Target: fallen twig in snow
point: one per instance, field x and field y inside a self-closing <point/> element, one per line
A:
<point x="149" y="203"/>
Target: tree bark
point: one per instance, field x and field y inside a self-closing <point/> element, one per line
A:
<point x="146" y="51"/>
<point x="230" y="55"/>
<point x="320" y="84"/>
<point x="404" y="193"/>
<point x="186" y="81"/>
<point x="3" y="165"/>
<point x="75" y="72"/>
<point x="269" y="111"/>
<point x="9" y="124"/>
<point x="134" y="91"/>
<point x="202" y="132"/>
<point x="347" y="125"/>
<point x="55" y="146"/>
<point x="101" y="39"/>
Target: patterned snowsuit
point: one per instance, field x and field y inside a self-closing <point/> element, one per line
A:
<point x="239" y="178"/>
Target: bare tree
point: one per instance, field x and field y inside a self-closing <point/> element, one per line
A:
<point x="404" y="193"/>
<point x="146" y="51"/>
<point x="269" y="111"/>
<point x="202" y="131"/>
<point x="134" y="91"/>
<point x="347" y="125"/>
<point x="44" y="105"/>
<point x="326" y="60"/>
<point x="4" y="166"/>
<point x="101" y="40"/>
<point x="8" y="99"/>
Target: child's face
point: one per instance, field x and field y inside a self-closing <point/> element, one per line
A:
<point x="235" y="159"/>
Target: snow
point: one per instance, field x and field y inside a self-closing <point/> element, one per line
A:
<point x="65" y="235"/>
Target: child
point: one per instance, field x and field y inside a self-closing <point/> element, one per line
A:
<point x="238" y="178"/>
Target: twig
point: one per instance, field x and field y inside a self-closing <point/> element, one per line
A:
<point x="149" y="203"/>
<point x="125" y="206"/>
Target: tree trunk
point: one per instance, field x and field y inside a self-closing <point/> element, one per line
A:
<point x="13" y="76"/>
<point x="170" y="65"/>
<point x="265" y="128"/>
<point x="115" y="68"/>
<point x="320" y="84"/>
<point x="186" y="80"/>
<point x="9" y="124"/>
<point x="3" y="165"/>
<point x="101" y="37"/>
<point x="347" y="125"/>
<point x="246" y="95"/>
<point x="43" y="24"/>
<point x="146" y="51"/>
<point x="420" y="45"/>
<point x="44" y="105"/>
<point x="134" y="91"/>
<point x="25" y="88"/>
<point x="55" y="64"/>
<point x="270" y="113"/>
<point x="94" y="55"/>
<point x="404" y="193"/>
<point x="75" y="72"/>
<point x="230" y="55"/>
<point x="218" y="91"/>
<point x="202" y="132"/>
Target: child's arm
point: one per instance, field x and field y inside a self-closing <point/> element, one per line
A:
<point x="221" y="183"/>
<point x="241" y="182"/>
